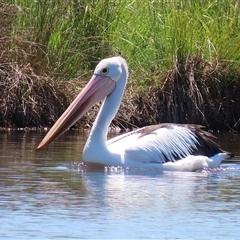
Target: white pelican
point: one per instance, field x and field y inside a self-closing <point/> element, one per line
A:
<point x="165" y="146"/>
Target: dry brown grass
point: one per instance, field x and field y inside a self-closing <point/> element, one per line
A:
<point x="193" y="92"/>
<point x="30" y="100"/>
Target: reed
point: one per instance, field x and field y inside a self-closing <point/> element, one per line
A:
<point x="64" y="37"/>
<point x="154" y="35"/>
<point x="71" y="36"/>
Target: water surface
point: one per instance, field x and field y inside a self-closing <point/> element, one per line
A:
<point x="45" y="196"/>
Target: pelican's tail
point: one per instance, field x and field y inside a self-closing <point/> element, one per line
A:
<point x="216" y="160"/>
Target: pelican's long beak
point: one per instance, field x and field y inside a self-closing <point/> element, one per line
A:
<point x="97" y="88"/>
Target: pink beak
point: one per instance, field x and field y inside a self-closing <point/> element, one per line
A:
<point x="97" y="88"/>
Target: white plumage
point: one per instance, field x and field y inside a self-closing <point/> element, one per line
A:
<point x="152" y="147"/>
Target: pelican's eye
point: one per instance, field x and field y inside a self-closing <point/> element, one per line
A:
<point x="105" y="71"/>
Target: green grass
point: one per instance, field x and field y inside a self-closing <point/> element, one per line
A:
<point x="154" y="35"/>
<point x="70" y="37"/>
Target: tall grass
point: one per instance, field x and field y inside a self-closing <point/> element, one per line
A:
<point x="72" y="35"/>
<point x="59" y="34"/>
<point x="155" y="34"/>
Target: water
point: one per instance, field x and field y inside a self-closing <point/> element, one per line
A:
<point x="43" y="196"/>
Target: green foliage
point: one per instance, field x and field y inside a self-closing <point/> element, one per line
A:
<point x="154" y="35"/>
<point x="70" y="36"/>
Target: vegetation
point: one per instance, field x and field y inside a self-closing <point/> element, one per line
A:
<point x="184" y="58"/>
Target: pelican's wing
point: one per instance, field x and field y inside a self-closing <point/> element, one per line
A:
<point x="164" y="142"/>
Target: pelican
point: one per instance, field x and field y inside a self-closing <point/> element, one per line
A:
<point x="170" y="147"/>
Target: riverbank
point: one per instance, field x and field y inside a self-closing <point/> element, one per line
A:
<point x="192" y="93"/>
<point x="183" y="60"/>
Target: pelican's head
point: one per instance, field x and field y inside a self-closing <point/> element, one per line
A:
<point x="103" y="82"/>
<point x="111" y="67"/>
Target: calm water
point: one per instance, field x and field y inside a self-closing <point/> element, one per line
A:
<point x="42" y="196"/>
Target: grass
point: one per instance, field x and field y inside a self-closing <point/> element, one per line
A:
<point x="168" y="44"/>
<point x="31" y="100"/>
<point x="158" y="34"/>
<point x="64" y="37"/>
<point x="73" y="35"/>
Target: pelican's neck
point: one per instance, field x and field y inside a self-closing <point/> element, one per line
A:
<point x="97" y="140"/>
